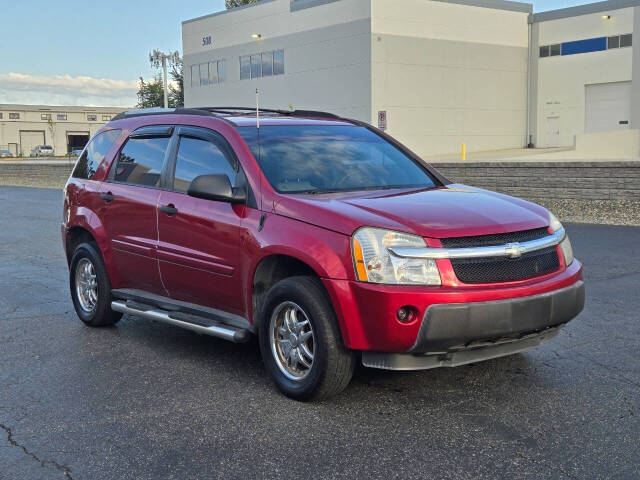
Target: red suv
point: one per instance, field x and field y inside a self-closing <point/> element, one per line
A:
<point x="323" y="236"/>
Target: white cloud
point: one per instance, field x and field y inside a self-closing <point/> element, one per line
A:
<point x="66" y="90"/>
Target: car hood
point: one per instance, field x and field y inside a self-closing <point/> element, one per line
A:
<point x="451" y="211"/>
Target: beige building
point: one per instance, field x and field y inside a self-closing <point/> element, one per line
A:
<point x="434" y="73"/>
<point x="24" y="127"/>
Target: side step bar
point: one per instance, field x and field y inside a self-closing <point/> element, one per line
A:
<point x="226" y="332"/>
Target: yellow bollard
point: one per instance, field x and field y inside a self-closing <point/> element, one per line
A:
<point x="464" y="152"/>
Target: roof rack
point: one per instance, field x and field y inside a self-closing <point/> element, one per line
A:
<point x="290" y="113"/>
<point x="219" y="111"/>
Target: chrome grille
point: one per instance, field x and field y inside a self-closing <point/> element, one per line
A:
<point x="495" y="270"/>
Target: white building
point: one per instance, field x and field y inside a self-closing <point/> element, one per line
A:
<point x="436" y="72"/>
<point x="582" y="73"/>
<point x="23" y="127"/>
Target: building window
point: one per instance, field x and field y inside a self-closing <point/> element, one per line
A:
<point x="626" y="40"/>
<point x="14" y="116"/>
<point x="106" y="118"/>
<point x="1" y="116"/>
<point x="217" y="72"/>
<point x="263" y="64"/>
<point x="544" y="51"/>
<point x="210" y="73"/>
<point x="613" y="42"/>
<point x="278" y="62"/>
<point x="267" y="64"/>
<point x="62" y="116"/>
<point x="195" y="75"/>
<point x="45" y="116"/>
<point x="92" y="118"/>
<point x="222" y="71"/>
<point x="204" y="74"/>
<point x="556" y="50"/>
<point x="245" y="67"/>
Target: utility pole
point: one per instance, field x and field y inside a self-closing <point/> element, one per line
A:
<point x="159" y="59"/>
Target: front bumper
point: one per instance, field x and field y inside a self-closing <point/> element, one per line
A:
<point x="451" y="326"/>
<point x="457" y="334"/>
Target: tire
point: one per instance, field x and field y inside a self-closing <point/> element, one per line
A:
<point x="331" y="365"/>
<point x="100" y="315"/>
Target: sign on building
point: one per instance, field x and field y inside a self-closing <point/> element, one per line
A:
<point x="382" y="119"/>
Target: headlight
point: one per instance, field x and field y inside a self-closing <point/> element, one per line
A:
<point x="565" y="245"/>
<point x="376" y="264"/>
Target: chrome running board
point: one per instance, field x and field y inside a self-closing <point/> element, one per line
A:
<point x="226" y="332"/>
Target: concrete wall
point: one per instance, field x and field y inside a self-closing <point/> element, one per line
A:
<point x="448" y="73"/>
<point x="327" y="56"/>
<point x="561" y="80"/>
<point x="31" y="174"/>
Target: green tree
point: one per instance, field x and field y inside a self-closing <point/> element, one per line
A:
<point x="151" y="94"/>
<point x="238" y="3"/>
<point x="176" y="93"/>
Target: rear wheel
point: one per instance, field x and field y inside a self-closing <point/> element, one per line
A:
<point x="300" y="341"/>
<point x="91" y="287"/>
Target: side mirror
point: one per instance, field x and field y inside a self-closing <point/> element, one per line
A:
<point x="215" y="187"/>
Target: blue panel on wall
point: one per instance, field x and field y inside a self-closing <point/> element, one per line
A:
<point x="584" y="46"/>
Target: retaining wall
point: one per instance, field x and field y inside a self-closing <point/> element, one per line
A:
<point x="594" y="192"/>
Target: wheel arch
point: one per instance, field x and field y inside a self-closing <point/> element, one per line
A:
<point x="269" y="270"/>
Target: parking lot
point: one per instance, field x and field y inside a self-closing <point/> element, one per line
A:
<point x="149" y="401"/>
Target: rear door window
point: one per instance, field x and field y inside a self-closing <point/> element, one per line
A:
<point x="140" y="161"/>
<point x="94" y="153"/>
<point x="200" y="157"/>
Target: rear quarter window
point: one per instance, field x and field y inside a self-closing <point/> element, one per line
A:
<point x="94" y="153"/>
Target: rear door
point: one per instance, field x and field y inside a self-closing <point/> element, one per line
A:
<point x="199" y="240"/>
<point x="128" y="213"/>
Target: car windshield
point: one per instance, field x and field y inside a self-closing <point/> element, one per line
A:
<point x="331" y="158"/>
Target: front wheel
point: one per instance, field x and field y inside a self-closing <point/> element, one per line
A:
<point x="300" y="341"/>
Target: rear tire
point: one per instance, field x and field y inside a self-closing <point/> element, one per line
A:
<point x="91" y="287"/>
<point x="300" y="341"/>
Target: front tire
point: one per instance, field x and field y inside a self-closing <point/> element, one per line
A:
<point x="91" y="287"/>
<point x="300" y="341"/>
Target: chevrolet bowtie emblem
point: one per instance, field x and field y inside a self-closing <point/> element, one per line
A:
<point x="514" y="250"/>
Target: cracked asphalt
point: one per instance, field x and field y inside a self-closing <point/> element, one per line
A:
<point x="149" y="401"/>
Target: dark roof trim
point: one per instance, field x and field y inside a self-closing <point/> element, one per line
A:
<point x="584" y="10"/>
<point x="224" y="12"/>
<point x="495" y="4"/>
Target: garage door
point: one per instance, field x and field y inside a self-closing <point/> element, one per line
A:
<point x="29" y="139"/>
<point x="608" y="106"/>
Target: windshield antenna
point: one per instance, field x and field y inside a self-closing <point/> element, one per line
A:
<point x="257" y="108"/>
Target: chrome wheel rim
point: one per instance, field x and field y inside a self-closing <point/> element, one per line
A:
<point x="292" y="340"/>
<point x="86" y="285"/>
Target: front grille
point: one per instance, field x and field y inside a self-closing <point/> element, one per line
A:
<point x="495" y="239"/>
<point x="500" y="269"/>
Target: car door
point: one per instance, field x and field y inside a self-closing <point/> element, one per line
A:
<point x="129" y="213"/>
<point x="199" y="239"/>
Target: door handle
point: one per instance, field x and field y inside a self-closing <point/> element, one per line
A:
<point x="169" y="209"/>
<point x="107" y="197"/>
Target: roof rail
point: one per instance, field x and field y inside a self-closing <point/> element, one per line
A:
<point x="143" y="112"/>
<point x="290" y="113"/>
<point x="218" y="111"/>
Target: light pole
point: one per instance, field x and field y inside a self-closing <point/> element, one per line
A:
<point x="157" y="59"/>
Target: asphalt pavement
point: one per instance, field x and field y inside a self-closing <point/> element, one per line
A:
<point x="150" y="401"/>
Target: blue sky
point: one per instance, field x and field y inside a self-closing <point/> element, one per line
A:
<point x="72" y="51"/>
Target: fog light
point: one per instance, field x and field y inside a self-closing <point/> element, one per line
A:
<point x="406" y="314"/>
